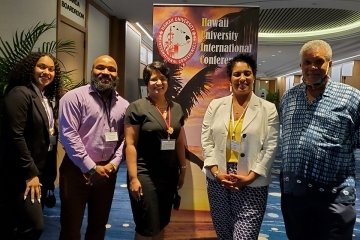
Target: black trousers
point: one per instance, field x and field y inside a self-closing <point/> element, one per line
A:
<point x="313" y="218"/>
<point x="21" y="219"/>
<point x="75" y="194"/>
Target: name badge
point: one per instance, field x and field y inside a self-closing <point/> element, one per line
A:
<point x="111" y="137"/>
<point x="235" y="146"/>
<point x="167" y="144"/>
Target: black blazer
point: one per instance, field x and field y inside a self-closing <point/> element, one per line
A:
<point x="26" y="138"/>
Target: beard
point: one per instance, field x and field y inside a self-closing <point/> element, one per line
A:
<point x="96" y="81"/>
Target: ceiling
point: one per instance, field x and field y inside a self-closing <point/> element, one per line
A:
<point x="284" y="25"/>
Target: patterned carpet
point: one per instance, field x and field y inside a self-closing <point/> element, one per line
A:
<point x="121" y="226"/>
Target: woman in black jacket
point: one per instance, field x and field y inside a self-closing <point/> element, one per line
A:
<point x="28" y="157"/>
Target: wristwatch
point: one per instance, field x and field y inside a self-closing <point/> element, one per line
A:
<point x="91" y="171"/>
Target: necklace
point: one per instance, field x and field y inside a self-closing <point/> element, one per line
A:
<point x="167" y="121"/>
<point x="163" y="110"/>
<point x="238" y="109"/>
<point x="163" y="106"/>
<point x="234" y="124"/>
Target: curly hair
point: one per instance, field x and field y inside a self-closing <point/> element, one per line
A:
<point x="155" y="66"/>
<point x="23" y="74"/>
<point x="246" y="58"/>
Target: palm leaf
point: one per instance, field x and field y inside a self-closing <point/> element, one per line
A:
<point x="175" y="81"/>
<point x="68" y="83"/>
<point x="53" y="47"/>
<point x="58" y="47"/>
<point x="23" y="43"/>
<point x="196" y="87"/>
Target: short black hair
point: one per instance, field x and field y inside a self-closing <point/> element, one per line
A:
<point x="155" y="66"/>
<point x="241" y="58"/>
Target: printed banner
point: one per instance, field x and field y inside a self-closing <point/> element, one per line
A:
<point x="197" y="41"/>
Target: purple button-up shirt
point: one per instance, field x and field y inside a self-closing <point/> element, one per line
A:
<point x="83" y="122"/>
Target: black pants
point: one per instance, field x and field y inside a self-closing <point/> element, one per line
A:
<point x="20" y="219"/>
<point x="75" y="194"/>
<point x="311" y="218"/>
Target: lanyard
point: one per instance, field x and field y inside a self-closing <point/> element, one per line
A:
<point x="49" y="114"/>
<point x="107" y="111"/>
<point x="48" y="109"/>
<point x="169" y="129"/>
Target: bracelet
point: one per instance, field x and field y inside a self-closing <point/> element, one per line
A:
<point x="113" y="165"/>
<point x="183" y="167"/>
<point x="216" y="173"/>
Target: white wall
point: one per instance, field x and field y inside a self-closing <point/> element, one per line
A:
<point x="132" y="63"/>
<point x="19" y="15"/>
<point x="98" y="37"/>
<point x="347" y="69"/>
<point x="289" y="82"/>
<point x="336" y="73"/>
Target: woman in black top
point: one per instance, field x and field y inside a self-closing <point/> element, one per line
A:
<point x="155" y="154"/>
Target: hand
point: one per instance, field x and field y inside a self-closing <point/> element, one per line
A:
<point x="33" y="186"/>
<point x="110" y="168"/>
<point x="181" y="179"/>
<point x="241" y="181"/>
<point x="103" y="170"/>
<point x="225" y="180"/>
<point x="100" y="172"/>
<point x="136" y="189"/>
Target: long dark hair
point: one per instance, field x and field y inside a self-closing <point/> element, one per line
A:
<point x="23" y="74"/>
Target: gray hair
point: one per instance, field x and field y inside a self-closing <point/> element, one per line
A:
<point x="315" y="44"/>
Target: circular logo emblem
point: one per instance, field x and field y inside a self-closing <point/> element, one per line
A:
<point x="177" y="40"/>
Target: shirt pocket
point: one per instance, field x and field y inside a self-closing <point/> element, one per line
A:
<point x="333" y="127"/>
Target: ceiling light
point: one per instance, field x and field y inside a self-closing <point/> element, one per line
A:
<point x="348" y="27"/>
<point x="144" y="31"/>
<point x="348" y="58"/>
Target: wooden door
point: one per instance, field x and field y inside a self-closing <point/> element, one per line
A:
<point x="76" y="62"/>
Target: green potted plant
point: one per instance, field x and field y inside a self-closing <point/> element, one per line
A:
<point x="273" y="97"/>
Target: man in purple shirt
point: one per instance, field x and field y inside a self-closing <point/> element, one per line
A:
<point x="91" y="125"/>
